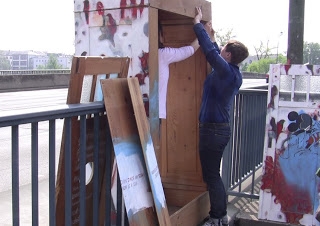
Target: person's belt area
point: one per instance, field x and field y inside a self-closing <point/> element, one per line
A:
<point x="212" y="125"/>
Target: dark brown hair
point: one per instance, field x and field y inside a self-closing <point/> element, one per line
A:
<point x="160" y="32"/>
<point x="239" y="52"/>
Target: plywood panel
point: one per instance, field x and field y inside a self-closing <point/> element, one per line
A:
<point x="128" y="151"/>
<point x="148" y="152"/>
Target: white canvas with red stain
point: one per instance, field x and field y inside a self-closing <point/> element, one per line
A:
<point x="115" y="28"/>
<point x="289" y="187"/>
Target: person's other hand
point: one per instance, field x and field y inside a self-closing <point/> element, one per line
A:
<point x="198" y="15"/>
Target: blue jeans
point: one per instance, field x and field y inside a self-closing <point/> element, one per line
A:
<point x="213" y="138"/>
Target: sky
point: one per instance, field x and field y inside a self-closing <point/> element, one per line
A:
<point x="43" y="25"/>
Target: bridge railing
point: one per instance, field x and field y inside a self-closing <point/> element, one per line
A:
<point x="35" y="72"/>
<point x="241" y="159"/>
<point x="16" y="120"/>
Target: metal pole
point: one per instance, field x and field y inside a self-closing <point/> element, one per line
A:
<point x="295" y="31"/>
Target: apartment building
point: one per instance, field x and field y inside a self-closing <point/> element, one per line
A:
<point x="31" y="60"/>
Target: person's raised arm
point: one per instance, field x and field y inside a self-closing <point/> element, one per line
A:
<point x="195" y="44"/>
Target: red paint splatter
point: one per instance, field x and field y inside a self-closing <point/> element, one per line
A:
<point x="287" y="67"/>
<point x="294" y="203"/>
<point x="123" y="3"/>
<point x="279" y="127"/>
<point x="314" y="138"/>
<point x="144" y="60"/>
<point x="273" y="93"/>
<point x="86" y="8"/>
<point x="141" y="6"/>
<point x="100" y="8"/>
<point x="134" y="10"/>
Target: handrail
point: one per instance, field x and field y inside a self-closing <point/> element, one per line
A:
<point x="35" y="72"/>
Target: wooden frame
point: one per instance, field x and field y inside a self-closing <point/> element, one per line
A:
<point x="82" y="67"/>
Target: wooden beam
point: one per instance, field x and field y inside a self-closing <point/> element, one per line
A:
<point x="148" y="152"/>
<point x="154" y="81"/>
<point x="192" y="213"/>
<point x="184" y="7"/>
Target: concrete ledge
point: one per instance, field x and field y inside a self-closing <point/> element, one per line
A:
<point x="13" y="83"/>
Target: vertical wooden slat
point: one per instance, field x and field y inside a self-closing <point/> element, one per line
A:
<point x="148" y="152"/>
<point x="154" y="81"/>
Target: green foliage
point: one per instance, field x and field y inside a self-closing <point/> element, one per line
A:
<point x="311" y="53"/>
<point x="4" y="62"/>
<point x="52" y="63"/>
<point x="263" y="65"/>
<point x="41" y="67"/>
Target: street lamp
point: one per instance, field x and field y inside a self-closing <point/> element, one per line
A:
<point x="278" y="46"/>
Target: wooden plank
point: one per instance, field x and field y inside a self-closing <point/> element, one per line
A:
<point x="127" y="147"/>
<point x="148" y="152"/>
<point x="105" y="65"/>
<point x="184" y="7"/>
<point x="193" y="213"/>
<point x="154" y="81"/>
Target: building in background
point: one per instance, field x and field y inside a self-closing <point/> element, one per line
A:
<point x="31" y="60"/>
<point x="38" y="61"/>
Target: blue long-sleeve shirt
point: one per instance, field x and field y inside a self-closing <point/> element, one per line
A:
<point x="220" y="86"/>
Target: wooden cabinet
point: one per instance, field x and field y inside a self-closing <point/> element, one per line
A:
<point x="130" y="28"/>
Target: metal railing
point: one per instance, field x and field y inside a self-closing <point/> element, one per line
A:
<point x="244" y="153"/>
<point x="35" y="72"/>
<point x="15" y="119"/>
<point x="241" y="160"/>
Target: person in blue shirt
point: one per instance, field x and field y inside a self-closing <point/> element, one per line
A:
<point x="219" y="90"/>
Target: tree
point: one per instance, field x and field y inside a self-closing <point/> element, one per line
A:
<point x="311" y="53"/>
<point x="223" y="37"/>
<point x="52" y="63"/>
<point x="263" y="65"/>
<point x="262" y="51"/>
<point x="4" y="62"/>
